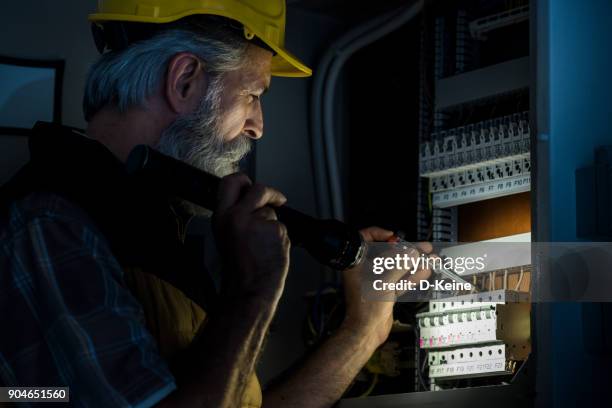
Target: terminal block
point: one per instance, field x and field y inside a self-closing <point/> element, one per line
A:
<point x="479" y="161"/>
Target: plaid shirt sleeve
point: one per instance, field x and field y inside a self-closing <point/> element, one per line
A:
<point x="66" y="317"/>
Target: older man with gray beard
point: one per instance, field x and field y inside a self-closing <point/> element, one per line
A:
<point x="102" y="290"/>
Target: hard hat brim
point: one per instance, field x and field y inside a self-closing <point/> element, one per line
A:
<point x="284" y="64"/>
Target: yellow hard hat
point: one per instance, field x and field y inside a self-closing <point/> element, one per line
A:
<point x="264" y="19"/>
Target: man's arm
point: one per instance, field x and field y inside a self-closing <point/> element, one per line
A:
<point x="322" y="379"/>
<point x="223" y="356"/>
<point x="68" y="319"/>
<point x="255" y="248"/>
<point x="326" y="374"/>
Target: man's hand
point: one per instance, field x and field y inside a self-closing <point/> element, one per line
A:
<point x="373" y="319"/>
<point x="321" y="380"/>
<point x="253" y="244"/>
<point x="255" y="249"/>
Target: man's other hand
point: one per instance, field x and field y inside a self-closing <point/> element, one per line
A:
<point x="370" y="318"/>
<point x="254" y="245"/>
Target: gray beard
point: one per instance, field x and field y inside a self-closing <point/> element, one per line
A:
<point x="196" y="138"/>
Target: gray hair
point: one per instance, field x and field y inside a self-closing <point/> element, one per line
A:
<point x="127" y="78"/>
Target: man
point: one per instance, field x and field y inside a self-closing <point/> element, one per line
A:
<point x="100" y="288"/>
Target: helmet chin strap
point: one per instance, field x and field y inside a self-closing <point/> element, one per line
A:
<point x="98" y="35"/>
<point x="112" y="35"/>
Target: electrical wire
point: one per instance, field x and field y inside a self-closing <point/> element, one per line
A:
<point x="517" y="372"/>
<point x="324" y="154"/>
<point x="505" y="279"/>
<point x="421" y="369"/>
<point x="318" y="314"/>
<point x="398" y="20"/>
<point x="311" y="326"/>
<point x="418" y="367"/>
<point x="318" y="142"/>
<point x="520" y="280"/>
<point x="371" y="387"/>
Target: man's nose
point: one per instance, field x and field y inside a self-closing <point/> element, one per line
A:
<point x="253" y="126"/>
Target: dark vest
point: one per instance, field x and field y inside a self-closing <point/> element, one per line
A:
<point x="142" y="227"/>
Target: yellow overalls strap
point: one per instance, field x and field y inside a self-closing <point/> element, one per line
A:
<point x="173" y="320"/>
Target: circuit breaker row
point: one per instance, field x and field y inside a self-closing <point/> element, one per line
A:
<point x="467" y="326"/>
<point x="479" y="144"/>
<point x="501" y="170"/>
<point x="481" y="183"/>
<point x="469" y="362"/>
<point x="474" y="325"/>
<point x="475" y="334"/>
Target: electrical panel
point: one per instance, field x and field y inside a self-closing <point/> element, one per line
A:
<point x="475" y="150"/>
<point x="473" y="177"/>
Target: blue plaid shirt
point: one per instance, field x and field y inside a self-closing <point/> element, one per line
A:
<point x="66" y="316"/>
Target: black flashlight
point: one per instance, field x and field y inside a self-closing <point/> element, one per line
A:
<point x="331" y="242"/>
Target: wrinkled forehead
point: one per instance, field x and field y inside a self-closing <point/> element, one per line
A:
<point x="255" y="74"/>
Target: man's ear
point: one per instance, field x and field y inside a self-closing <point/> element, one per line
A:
<point x="185" y="83"/>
